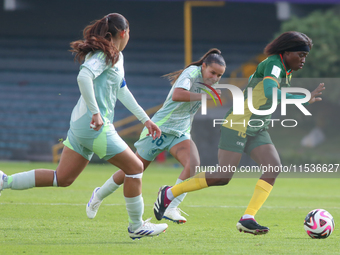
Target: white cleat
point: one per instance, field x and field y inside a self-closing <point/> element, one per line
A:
<point x="148" y="229"/>
<point x="2" y="177"/>
<point x="93" y="205"/>
<point x="174" y="214"/>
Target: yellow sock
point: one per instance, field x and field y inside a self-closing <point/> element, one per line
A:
<point x="261" y="192"/>
<point x="195" y="183"/>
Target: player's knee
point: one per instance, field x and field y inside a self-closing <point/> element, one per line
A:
<point x="193" y="167"/>
<point x="65" y="182"/>
<point x="137" y="168"/>
<point x="221" y="181"/>
<point x="137" y="172"/>
<point x="195" y="162"/>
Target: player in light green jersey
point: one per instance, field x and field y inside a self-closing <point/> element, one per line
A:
<point x="101" y="82"/>
<point x="286" y="54"/>
<point x="175" y="120"/>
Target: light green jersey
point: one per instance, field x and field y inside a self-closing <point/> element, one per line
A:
<point x="176" y="117"/>
<point x="107" y="82"/>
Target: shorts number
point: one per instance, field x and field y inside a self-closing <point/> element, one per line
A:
<point x="160" y="140"/>
<point x="243" y="135"/>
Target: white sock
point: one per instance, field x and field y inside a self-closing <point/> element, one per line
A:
<point x="108" y="188"/>
<point x="55" y="181"/>
<point x="24" y="180"/>
<point x="135" y="209"/>
<point x="177" y="200"/>
<point x="170" y="195"/>
<point x="247" y="216"/>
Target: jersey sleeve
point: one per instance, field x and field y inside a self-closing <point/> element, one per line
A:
<point x="271" y="79"/>
<point x="185" y="79"/>
<point x="85" y="83"/>
<point x="184" y="83"/>
<point x="128" y="100"/>
<point x="96" y="63"/>
<point x="273" y="72"/>
<point x="272" y="69"/>
<point x="269" y="84"/>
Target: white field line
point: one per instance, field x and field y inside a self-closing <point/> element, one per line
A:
<point x="150" y="205"/>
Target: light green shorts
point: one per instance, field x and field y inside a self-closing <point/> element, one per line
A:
<point x="106" y="145"/>
<point x="232" y="140"/>
<point x="149" y="149"/>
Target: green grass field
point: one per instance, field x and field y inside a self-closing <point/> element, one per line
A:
<point x="53" y="220"/>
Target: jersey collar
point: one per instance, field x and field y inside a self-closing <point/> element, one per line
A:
<point x="287" y="72"/>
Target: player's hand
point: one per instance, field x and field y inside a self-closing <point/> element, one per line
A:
<point x="219" y="92"/>
<point x="154" y="130"/>
<point x="96" y="122"/>
<point x="317" y="92"/>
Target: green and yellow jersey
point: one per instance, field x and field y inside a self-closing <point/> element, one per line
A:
<point x="270" y="73"/>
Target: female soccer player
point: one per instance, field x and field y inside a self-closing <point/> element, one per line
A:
<point x="101" y="82"/>
<point x="174" y="119"/>
<point x="287" y="53"/>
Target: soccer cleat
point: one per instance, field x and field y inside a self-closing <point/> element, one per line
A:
<point x="2" y="177"/>
<point x="251" y="226"/>
<point x="147" y="229"/>
<point x="160" y="204"/>
<point x="174" y="214"/>
<point x="93" y="205"/>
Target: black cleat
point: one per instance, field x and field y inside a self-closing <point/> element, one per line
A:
<point x="251" y="226"/>
<point x="160" y="204"/>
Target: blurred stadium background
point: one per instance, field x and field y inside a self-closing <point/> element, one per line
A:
<point x="38" y="86"/>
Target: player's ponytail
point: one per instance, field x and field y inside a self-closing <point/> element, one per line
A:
<point x="212" y="56"/>
<point x="98" y="36"/>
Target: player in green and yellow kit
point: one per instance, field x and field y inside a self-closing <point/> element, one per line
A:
<point x="287" y="53"/>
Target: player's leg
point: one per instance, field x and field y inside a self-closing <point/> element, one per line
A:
<point x="230" y="150"/>
<point x="110" y="186"/>
<point x="207" y="179"/>
<point x="200" y="181"/>
<point x="143" y="146"/>
<point x="229" y="156"/>
<point x="264" y="155"/>
<point x="267" y="156"/>
<point x="185" y="151"/>
<point x="129" y="163"/>
<point x="70" y="166"/>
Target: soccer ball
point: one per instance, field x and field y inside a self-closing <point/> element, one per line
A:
<point x="319" y="224"/>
